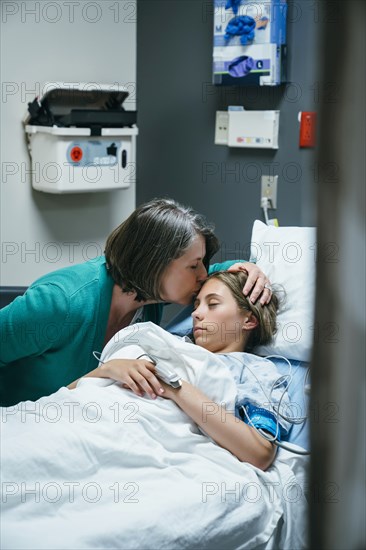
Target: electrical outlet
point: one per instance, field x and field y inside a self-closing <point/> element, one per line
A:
<point x="307" y="129"/>
<point x="269" y="190"/>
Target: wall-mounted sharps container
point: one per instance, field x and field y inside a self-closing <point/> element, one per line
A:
<point x="81" y="139"/>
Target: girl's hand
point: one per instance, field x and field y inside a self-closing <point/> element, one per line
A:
<point x="257" y="283"/>
<point x="136" y="374"/>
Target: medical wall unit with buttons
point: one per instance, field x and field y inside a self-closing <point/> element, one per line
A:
<point x="249" y="42"/>
<point x="81" y="139"/>
<point x="237" y="127"/>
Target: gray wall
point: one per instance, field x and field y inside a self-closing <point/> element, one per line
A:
<point x="89" y="43"/>
<point x="176" y="153"/>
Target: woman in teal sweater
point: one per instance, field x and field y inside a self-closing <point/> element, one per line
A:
<point x="159" y="254"/>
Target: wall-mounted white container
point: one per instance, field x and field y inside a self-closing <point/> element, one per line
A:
<point x="81" y="139"/>
<point x="253" y="129"/>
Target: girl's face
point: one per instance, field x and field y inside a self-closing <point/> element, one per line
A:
<point x="217" y="320"/>
<point x="183" y="277"/>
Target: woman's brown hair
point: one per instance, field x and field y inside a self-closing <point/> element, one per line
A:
<point x="139" y="250"/>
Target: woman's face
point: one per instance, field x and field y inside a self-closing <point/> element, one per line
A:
<point x="182" y="279"/>
<point x="217" y="319"/>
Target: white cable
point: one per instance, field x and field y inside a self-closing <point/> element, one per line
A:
<point x="269" y="401"/>
<point x="265" y="206"/>
<point x="287" y="447"/>
<point x="296" y="420"/>
<point x="291" y="419"/>
<point x="97" y="355"/>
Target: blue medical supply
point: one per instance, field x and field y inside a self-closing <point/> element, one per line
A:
<point x="253" y="29"/>
<point x="241" y="66"/>
<point x="262" y="419"/>
<point x="233" y="4"/>
<point x="242" y="26"/>
<point x="262" y="23"/>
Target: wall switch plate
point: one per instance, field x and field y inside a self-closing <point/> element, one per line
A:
<point x="269" y="190"/>
<point x="222" y="128"/>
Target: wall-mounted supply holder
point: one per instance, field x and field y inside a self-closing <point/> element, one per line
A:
<point x="81" y="139"/>
<point x="253" y="129"/>
<point x="249" y="42"/>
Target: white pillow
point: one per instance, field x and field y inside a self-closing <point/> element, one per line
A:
<point x="287" y="255"/>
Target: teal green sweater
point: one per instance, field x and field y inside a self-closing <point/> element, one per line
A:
<point x="48" y="335"/>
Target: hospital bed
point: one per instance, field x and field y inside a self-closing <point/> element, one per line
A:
<point x="98" y="467"/>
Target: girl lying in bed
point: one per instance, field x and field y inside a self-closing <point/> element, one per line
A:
<point x="105" y="467"/>
<point x="224" y="322"/>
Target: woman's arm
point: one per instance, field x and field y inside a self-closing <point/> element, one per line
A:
<point x="228" y="431"/>
<point x="257" y="285"/>
<point x="33" y="323"/>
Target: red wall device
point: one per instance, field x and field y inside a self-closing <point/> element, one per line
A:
<point x="307" y="129"/>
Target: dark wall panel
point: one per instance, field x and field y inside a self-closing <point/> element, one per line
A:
<point x="176" y="154"/>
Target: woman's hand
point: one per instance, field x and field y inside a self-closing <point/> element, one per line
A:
<point x="136" y="374"/>
<point x="257" y="283"/>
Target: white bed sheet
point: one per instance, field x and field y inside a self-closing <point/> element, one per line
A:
<point x="99" y="467"/>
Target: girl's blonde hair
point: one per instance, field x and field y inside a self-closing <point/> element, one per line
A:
<point x="266" y="315"/>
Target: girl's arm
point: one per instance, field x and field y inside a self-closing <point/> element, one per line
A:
<point x="222" y="426"/>
<point x="136" y="374"/>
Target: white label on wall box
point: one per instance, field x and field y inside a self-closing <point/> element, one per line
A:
<point x="254" y="129"/>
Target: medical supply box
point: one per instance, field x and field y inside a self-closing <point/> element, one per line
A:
<point x="81" y="139"/>
<point x="249" y="42"/>
<point x="237" y="127"/>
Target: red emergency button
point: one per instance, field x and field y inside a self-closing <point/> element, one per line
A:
<point x="76" y="154"/>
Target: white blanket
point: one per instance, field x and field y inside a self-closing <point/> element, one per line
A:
<point x="99" y="467"/>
